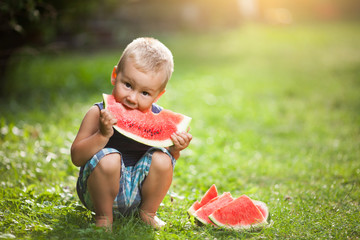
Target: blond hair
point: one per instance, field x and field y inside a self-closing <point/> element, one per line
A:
<point x="148" y="55"/>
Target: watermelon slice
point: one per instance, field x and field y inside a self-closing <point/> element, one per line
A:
<point x="148" y="128"/>
<point x="263" y="209"/>
<point x="239" y="214"/>
<point x="210" y="194"/>
<point x="203" y="213"/>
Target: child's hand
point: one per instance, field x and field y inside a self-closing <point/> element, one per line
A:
<point x="107" y="121"/>
<point x="181" y="141"/>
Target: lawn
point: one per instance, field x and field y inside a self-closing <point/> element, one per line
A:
<point x="276" y="116"/>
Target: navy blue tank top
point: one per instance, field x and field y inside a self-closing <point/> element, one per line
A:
<point x="131" y="151"/>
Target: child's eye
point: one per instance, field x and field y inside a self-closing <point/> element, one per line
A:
<point x="145" y="93"/>
<point x="127" y="85"/>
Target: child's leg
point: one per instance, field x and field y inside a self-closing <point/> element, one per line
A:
<point x="155" y="187"/>
<point x="103" y="186"/>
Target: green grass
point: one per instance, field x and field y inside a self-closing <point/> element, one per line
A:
<point x="275" y="116"/>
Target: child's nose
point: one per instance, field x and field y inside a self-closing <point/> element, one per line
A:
<point x="132" y="97"/>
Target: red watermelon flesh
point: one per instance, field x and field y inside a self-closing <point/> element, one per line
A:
<point x="203" y="213"/>
<point x="148" y="128"/>
<point x="241" y="213"/>
<point x="194" y="207"/>
<point x="210" y="194"/>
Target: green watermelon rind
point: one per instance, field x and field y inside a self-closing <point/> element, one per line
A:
<point x="201" y="221"/>
<point x="251" y="227"/>
<point x="182" y="127"/>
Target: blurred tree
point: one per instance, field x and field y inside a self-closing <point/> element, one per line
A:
<point x="35" y="22"/>
<point x="19" y="23"/>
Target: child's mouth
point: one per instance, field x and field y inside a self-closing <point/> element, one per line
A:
<point x="127" y="106"/>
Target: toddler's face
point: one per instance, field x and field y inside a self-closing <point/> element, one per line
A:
<point x="136" y="89"/>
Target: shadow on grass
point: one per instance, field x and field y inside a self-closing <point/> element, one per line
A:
<point x="75" y="225"/>
<point x="224" y="233"/>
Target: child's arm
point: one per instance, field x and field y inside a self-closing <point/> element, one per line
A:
<point x="95" y="131"/>
<point x="181" y="141"/>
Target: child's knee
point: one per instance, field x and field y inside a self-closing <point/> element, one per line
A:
<point x="110" y="164"/>
<point x="161" y="162"/>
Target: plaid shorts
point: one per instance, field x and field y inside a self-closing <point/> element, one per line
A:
<point x="132" y="177"/>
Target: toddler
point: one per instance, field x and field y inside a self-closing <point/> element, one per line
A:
<point x="117" y="174"/>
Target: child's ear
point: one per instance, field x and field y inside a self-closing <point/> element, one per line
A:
<point x="114" y="75"/>
<point x="160" y="94"/>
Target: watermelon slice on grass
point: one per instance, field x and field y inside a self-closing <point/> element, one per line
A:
<point x="225" y="211"/>
<point x="263" y="209"/>
<point x="239" y="214"/>
<point x="148" y="128"/>
<point x="202" y="214"/>
<point x="208" y="196"/>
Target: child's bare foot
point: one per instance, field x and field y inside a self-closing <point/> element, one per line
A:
<point x="151" y="219"/>
<point x="104" y="222"/>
